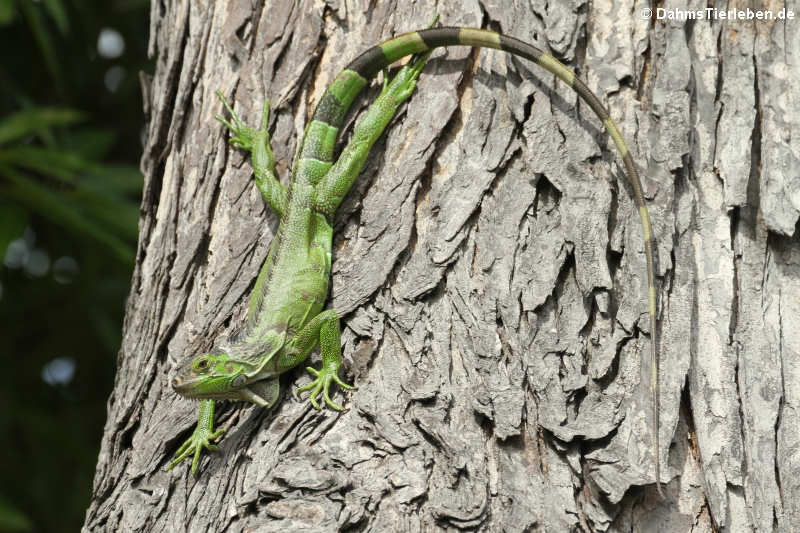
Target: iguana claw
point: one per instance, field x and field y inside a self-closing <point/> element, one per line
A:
<point x="323" y="384"/>
<point x="201" y="438"/>
<point x="242" y="136"/>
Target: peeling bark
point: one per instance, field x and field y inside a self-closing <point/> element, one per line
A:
<point x="490" y="271"/>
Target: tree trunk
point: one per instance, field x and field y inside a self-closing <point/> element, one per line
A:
<point x="490" y="273"/>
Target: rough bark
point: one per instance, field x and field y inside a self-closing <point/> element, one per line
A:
<point x="490" y="272"/>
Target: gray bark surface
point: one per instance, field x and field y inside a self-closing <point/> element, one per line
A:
<point x="490" y="272"/>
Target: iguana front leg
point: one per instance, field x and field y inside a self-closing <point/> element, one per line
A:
<point x="323" y="328"/>
<point x="201" y="437"/>
<point x="257" y="143"/>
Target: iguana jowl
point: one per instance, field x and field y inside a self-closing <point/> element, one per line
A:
<point x="285" y="318"/>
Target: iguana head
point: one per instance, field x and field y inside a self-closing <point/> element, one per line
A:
<point x="218" y="376"/>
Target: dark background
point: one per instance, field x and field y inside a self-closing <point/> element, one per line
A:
<point x="71" y="127"/>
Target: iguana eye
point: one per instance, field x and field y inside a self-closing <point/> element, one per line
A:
<point x="239" y="381"/>
<point x="201" y="365"/>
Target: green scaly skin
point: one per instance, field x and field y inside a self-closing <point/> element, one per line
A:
<point x="285" y="319"/>
<point x="294" y="278"/>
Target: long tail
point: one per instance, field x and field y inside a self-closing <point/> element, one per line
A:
<point x="339" y="96"/>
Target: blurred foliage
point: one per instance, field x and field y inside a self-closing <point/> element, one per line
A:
<point x="71" y="124"/>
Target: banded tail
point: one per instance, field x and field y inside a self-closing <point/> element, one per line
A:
<point x="330" y="113"/>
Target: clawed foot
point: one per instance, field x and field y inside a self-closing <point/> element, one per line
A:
<point x="242" y="136"/>
<point x="325" y="377"/>
<point x="200" y="440"/>
<point x="405" y="81"/>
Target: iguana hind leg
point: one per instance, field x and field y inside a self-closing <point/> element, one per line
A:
<point x="323" y="329"/>
<point x="256" y="141"/>
<point x="332" y="189"/>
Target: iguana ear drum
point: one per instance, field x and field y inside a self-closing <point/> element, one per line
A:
<point x="239" y="381"/>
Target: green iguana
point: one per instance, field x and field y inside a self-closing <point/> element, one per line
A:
<point x="285" y="319"/>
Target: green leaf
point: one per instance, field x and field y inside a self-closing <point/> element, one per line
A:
<point x="7" y="14"/>
<point x="63" y="212"/>
<point x="91" y="143"/>
<point x="13" y="220"/>
<point x="120" y="179"/>
<point x="34" y="119"/>
<point x="12" y="519"/>
<point x="59" y="14"/>
<point x="51" y="162"/>
<point x="116" y="215"/>
<point x="43" y="38"/>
